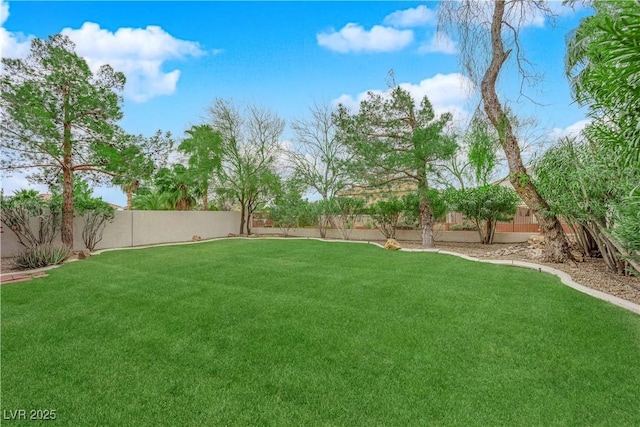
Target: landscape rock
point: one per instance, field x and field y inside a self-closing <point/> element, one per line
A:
<point x="392" y="245"/>
<point x="577" y="256"/>
<point x="84" y="254"/>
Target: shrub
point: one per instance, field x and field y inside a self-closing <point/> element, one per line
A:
<point x="484" y="206"/>
<point x="33" y="220"/>
<point x="42" y="256"/>
<point x="386" y="214"/>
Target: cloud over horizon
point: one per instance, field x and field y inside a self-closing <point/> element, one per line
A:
<point x="354" y="38"/>
<point x="414" y="17"/>
<point x="447" y="93"/>
<point x="439" y="43"/>
<point x="138" y="52"/>
<point x="12" y="45"/>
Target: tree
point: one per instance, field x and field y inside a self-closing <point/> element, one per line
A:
<point x="475" y="159"/>
<point x="95" y="212"/>
<point x="287" y="206"/>
<point x="580" y="185"/>
<point x="151" y="200"/>
<point x="178" y="186"/>
<point x="249" y="150"/>
<point x="138" y="159"/>
<point x="484" y="206"/>
<point x="386" y="216"/>
<point x="203" y="146"/>
<point x="393" y="141"/>
<point x="319" y="157"/>
<point x="488" y="34"/>
<point x="602" y="65"/>
<point x="58" y="117"/>
<point x="345" y="211"/>
<point x="318" y="213"/>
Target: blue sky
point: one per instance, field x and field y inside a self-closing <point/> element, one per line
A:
<point x="180" y="56"/>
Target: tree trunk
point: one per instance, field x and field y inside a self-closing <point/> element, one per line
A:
<point x="480" y="227"/>
<point x="426" y="221"/>
<point x="242" y="216"/>
<point x="493" y="231"/>
<point x="66" y="228"/>
<point x="205" y="201"/>
<point x="556" y="244"/>
<point x="129" y="199"/>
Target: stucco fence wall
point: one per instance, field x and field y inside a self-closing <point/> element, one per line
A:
<point x="139" y="228"/>
<point x="407" y="235"/>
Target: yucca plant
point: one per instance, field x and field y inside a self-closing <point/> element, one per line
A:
<point x="42" y="256"/>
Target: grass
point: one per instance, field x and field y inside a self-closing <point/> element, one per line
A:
<point x="274" y="332"/>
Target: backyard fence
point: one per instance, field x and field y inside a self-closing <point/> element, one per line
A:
<point x="139" y="228"/>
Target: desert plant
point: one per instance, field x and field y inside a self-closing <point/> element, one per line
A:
<point x="96" y="218"/>
<point x="33" y="220"/>
<point x="94" y="210"/>
<point x="42" y="256"/>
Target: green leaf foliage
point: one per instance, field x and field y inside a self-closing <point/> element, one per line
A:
<point x="58" y="118"/>
<point x="386" y="216"/>
<point x="393" y="140"/>
<point x="204" y="148"/>
<point x="484" y="206"/>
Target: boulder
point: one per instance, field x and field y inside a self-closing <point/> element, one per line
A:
<point x="84" y="254"/>
<point x="392" y="245"/>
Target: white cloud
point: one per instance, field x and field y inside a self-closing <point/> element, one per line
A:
<point x="439" y="43"/>
<point x="572" y="130"/>
<point x="447" y="93"/>
<point x="138" y="52"/>
<point x="413" y="17"/>
<point x="12" y="45"/>
<point x="354" y="38"/>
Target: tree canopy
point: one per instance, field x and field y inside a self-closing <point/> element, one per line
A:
<point x="248" y="154"/>
<point x="394" y="141"/>
<point x="58" y="117"/>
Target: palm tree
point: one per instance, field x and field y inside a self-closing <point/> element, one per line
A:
<point x="177" y="184"/>
<point x="204" y="148"/>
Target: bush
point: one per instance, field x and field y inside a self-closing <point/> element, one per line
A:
<point x="484" y="206"/>
<point x="42" y="256"/>
<point x="386" y="214"/>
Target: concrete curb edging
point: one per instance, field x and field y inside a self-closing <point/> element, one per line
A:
<point x="564" y="277"/>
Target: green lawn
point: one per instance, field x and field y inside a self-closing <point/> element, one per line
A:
<point x="272" y="332"/>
